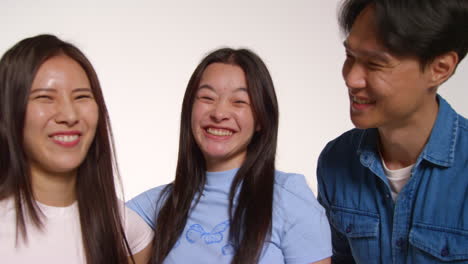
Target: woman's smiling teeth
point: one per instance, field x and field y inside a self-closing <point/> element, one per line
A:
<point x="65" y="138"/>
<point x="219" y="132"/>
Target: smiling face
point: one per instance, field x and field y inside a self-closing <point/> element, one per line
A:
<point x="222" y="119"/>
<point x="385" y="91"/>
<point x="61" y="117"/>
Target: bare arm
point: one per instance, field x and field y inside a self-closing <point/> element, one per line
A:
<point x="323" y="261"/>
<point x="143" y="256"/>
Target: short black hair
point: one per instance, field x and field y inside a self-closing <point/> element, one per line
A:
<point x="422" y="28"/>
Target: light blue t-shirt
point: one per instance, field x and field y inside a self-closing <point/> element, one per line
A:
<point x="300" y="229"/>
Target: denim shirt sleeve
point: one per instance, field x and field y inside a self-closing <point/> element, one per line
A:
<point x="341" y="250"/>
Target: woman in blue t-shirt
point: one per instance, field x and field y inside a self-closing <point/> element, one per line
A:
<point x="227" y="203"/>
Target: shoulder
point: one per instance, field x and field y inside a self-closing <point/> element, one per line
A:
<point x="343" y="151"/>
<point x="138" y="233"/>
<point x="149" y="196"/>
<point x="7" y="208"/>
<point x="462" y="141"/>
<point x="299" y="221"/>
<point x="147" y="204"/>
<point x="347" y="141"/>
<point x="293" y="195"/>
<point x="463" y="122"/>
<point x="448" y="118"/>
<point x="463" y="132"/>
<point x="457" y="136"/>
<point x="7" y="204"/>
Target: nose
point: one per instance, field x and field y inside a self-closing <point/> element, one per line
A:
<point x="354" y="75"/>
<point x="220" y="112"/>
<point x="67" y="113"/>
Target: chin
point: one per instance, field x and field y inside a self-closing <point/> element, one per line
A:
<point x="216" y="156"/>
<point x="361" y="124"/>
<point x="66" y="166"/>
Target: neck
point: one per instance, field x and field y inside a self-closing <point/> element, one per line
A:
<point x="54" y="189"/>
<point x="216" y="165"/>
<point x="401" y="146"/>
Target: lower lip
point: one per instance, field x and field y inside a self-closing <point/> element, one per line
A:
<point x="67" y="144"/>
<point x="360" y="107"/>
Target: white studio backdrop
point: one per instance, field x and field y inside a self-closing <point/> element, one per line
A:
<point x="145" y="51"/>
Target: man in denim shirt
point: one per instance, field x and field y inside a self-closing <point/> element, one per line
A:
<point x="396" y="187"/>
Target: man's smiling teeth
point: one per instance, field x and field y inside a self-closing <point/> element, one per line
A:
<point x="68" y="138"/>
<point x="361" y="101"/>
<point x="219" y="132"/>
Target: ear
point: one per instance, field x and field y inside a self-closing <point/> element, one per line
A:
<point x="443" y="67"/>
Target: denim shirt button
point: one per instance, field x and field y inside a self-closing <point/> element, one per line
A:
<point x="348" y="229"/>
<point x="444" y="252"/>
<point x="400" y="243"/>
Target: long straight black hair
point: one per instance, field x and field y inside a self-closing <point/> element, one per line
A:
<point x="101" y="226"/>
<point x="250" y="220"/>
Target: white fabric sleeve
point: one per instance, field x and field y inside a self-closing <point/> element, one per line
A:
<point x="139" y="234"/>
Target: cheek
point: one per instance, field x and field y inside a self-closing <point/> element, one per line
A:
<point x="194" y="119"/>
<point x="198" y="112"/>
<point x="247" y="120"/>
<point x="35" y="122"/>
<point x="381" y="84"/>
<point x="90" y="113"/>
<point x="345" y="68"/>
<point x="37" y="116"/>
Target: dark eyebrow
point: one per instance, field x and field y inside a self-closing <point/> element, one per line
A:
<point x="241" y="89"/>
<point x="43" y="90"/>
<point x="77" y="90"/>
<point x="206" y="86"/>
<point x="379" y="55"/>
<point x="209" y="87"/>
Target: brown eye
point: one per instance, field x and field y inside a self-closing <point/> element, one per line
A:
<point x="373" y="66"/>
<point x="84" y="96"/>
<point x="206" y="98"/>
<point x="43" y="98"/>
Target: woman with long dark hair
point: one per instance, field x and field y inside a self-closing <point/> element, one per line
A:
<point x="227" y="203"/>
<point x="58" y="201"/>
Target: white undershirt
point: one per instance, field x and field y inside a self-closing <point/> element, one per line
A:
<point x="60" y="241"/>
<point x="397" y="178"/>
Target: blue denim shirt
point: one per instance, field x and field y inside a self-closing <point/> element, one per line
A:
<point x="428" y="223"/>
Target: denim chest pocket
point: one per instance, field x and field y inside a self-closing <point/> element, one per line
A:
<point x="361" y="229"/>
<point x="436" y="244"/>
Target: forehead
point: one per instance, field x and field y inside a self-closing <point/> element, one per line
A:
<point x="363" y="35"/>
<point x="223" y="77"/>
<point x="60" y="70"/>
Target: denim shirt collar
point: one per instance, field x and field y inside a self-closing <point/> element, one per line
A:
<point x="440" y="148"/>
<point x="368" y="146"/>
